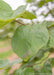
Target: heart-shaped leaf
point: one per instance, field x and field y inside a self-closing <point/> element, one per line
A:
<point x="27" y="40"/>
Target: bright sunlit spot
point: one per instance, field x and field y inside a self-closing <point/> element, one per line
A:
<point x="15" y="3"/>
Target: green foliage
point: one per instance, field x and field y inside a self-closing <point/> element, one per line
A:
<point x="8" y="11"/>
<point x="28" y="1"/>
<point x="51" y="32"/>
<point x="27" y="40"/>
<point x="5" y="54"/>
<point x="49" y="0"/>
<point x="51" y="61"/>
<point x="41" y="3"/>
<point x="7" y="14"/>
<point x="26" y="71"/>
<point x="27" y="15"/>
<point x="33" y="43"/>
<point x="3" y="63"/>
<point x="18" y="11"/>
<point x="46" y="69"/>
<point x="5" y="72"/>
<point x="50" y="27"/>
<point x="49" y="24"/>
<point x="45" y="57"/>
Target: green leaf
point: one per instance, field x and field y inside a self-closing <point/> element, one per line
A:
<point x="50" y="27"/>
<point x="15" y="62"/>
<point x="5" y="10"/>
<point x="14" y="15"/>
<point x="51" y="32"/>
<point x="3" y="63"/>
<point x="44" y="58"/>
<point x="49" y="24"/>
<point x="25" y="71"/>
<point x="28" y="40"/>
<point x="27" y="15"/>
<point x="17" y="13"/>
<point x="6" y="64"/>
<point x="8" y="67"/>
<point x="2" y="23"/>
<point x="5" y="72"/>
<point x="48" y="1"/>
<point x="41" y="3"/>
<point x="51" y="61"/>
<point x="29" y="1"/>
<point x="38" y="56"/>
<point x="7" y="14"/>
<point x="41" y="54"/>
<point x="46" y="47"/>
<point x="45" y="70"/>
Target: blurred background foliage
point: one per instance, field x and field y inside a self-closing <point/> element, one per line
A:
<point x="44" y="11"/>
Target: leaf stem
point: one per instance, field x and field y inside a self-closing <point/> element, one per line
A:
<point x="19" y="22"/>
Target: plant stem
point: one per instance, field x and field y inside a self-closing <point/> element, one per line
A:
<point x="19" y="22"/>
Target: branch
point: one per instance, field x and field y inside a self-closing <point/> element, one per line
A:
<point x="19" y="22"/>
